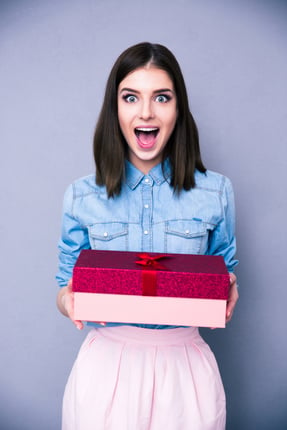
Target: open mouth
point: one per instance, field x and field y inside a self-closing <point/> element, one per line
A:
<point x="146" y="136"/>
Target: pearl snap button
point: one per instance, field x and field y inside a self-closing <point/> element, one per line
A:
<point x="146" y="180"/>
<point x="146" y="206"/>
<point x="105" y="234"/>
<point x="146" y="232"/>
<point x="187" y="231"/>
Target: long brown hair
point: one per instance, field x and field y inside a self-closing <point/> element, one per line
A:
<point x="110" y="147"/>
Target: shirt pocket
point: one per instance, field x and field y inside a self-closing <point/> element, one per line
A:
<point x="110" y="236"/>
<point x="186" y="237"/>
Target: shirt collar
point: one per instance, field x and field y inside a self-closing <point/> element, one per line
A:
<point x="135" y="176"/>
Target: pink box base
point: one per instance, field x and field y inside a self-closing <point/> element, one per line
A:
<point x="149" y="310"/>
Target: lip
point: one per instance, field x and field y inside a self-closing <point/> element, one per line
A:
<point x="146" y="126"/>
<point x="146" y="129"/>
<point x="149" y="143"/>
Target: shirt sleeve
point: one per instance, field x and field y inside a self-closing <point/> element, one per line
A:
<point x="222" y="239"/>
<point x="74" y="238"/>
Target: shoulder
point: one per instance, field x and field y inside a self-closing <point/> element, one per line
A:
<point x="84" y="186"/>
<point x="212" y="181"/>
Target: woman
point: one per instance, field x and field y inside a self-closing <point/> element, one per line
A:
<point x="151" y="193"/>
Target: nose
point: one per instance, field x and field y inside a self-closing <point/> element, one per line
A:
<point x="146" y="110"/>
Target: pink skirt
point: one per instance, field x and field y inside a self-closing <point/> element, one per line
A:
<point x="130" y="378"/>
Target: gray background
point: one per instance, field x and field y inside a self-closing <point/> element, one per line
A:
<point x="54" y="60"/>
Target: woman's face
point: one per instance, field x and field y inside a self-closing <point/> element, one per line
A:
<point x="147" y="113"/>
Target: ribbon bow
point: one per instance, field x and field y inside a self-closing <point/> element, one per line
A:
<point x="151" y="260"/>
<point x="151" y="264"/>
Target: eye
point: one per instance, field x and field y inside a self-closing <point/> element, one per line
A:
<point x="130" y="98"/>
<point x="162" y="98"/>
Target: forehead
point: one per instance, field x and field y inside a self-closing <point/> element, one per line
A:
<point x="147" y="78"/>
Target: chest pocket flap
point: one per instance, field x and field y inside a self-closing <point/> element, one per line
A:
<point x="186" y="228"/>
<point x="186" y="236"/>
<point x="109" y="236"/>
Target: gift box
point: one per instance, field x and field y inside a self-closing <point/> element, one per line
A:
<point x="150" y="288"/>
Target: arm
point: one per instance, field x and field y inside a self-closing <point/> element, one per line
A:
<point x="74" y="238"/>
<point x="222" y="242"/>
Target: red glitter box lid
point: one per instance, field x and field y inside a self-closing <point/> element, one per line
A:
<point x="152" y="274"/>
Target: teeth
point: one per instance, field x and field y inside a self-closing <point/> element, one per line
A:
<point x="146" y="129"/>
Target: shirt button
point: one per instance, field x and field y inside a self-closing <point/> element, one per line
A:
<point x="105" y="234"/>
<point x="146" y="180"/>
<point x="146" y="232"/>
<point x="187" y="231"/>
<point x="146" y="206"/>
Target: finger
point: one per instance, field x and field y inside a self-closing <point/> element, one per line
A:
<point x="229" y="310"/>
<point x="69" y="305"/>
<point x="78" y="324"/>
<point x="232" y="278"/>
<point x="231" y="303"/>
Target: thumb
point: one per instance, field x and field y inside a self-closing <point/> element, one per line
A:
<point x="70" y="285"/>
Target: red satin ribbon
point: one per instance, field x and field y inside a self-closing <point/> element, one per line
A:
<point x="149" y="274"/>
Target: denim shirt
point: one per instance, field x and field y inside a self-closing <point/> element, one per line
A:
<point x="148" y="216"/>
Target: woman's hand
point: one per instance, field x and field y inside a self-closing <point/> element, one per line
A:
<point x="233" y="297"/>
<point x="65" y="303"/>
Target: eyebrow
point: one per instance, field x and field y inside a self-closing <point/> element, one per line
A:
<point x="162" y="90"/>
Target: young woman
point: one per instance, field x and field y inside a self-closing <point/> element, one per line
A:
<point x="151" y="193"/>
